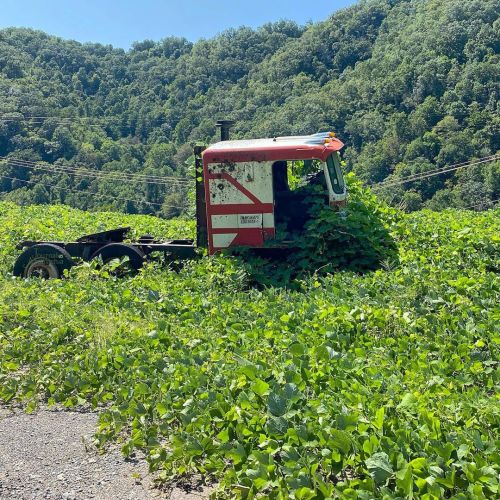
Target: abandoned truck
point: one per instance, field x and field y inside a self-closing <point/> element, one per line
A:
<point x="242" y="195"/>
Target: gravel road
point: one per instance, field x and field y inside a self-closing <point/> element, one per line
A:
<point x="43" y="456"/>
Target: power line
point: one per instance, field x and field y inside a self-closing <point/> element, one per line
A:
<point x="112" y="175"/>
<point x="63" y="120"/>
<point x="101" y="121"/>
<point x="432" y="173"/>
<point x="91" y="193"/>
<point x="30" y="117"/>
<point x="40" y="121"/>
<point x="97" y="175"/>
<point x="465" y="163"/>
<point x="114" y="198"/>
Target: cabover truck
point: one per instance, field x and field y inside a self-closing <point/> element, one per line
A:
<point x="243" y="194"/>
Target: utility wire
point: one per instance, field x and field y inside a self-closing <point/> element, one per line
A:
<point x="93" y="171"/>
<point x="168" y="180"/>
<point x="64" y="120"/>
<point x="100" y="121"/>
<point x="111" y="175"/>
<point x="67" y="189"/>
<point x="98" y="175"/>
<point x="91" y="193"/>
<point x="465" y="163"/>
<point x="41" y="121"/>
<point x="432" y="173"/>
<point x="29" y="117"/>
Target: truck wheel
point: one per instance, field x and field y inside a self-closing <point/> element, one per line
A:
<point x="43" y="261"/>
<point x="118" y="251"/>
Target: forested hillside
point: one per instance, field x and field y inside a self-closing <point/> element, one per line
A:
<point x="409" y="85"/>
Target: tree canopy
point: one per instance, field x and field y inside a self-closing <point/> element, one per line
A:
<point x="409" y="86"/>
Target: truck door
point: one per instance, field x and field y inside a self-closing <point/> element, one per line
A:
<point x="240" y="209"/>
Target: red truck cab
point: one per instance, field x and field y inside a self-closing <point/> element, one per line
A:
<point x="246" y="189"/>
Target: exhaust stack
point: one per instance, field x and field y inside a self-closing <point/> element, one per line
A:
<point x="225" y="126"/>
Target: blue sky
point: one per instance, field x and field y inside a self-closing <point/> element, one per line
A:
<point x="121" y="22"/>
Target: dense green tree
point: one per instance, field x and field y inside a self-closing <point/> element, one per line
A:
<point x="409" y="85"/>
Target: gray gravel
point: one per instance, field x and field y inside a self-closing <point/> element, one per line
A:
<point x="44" y="456"/>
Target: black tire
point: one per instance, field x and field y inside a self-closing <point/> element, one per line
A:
<point x="119" y="250"/>
<point x="45" y="260"/>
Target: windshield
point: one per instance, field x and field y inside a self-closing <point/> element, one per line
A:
<point x="299" y="173"/>
<point x="336" y="177"/>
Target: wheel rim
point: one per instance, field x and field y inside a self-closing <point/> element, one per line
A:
<point x="129" y="258"/>
<point x="41" y="268"/>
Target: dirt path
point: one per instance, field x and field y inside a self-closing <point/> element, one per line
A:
<point x="43" y="456"/>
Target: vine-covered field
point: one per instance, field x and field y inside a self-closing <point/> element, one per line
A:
<point x="383" y="384"/>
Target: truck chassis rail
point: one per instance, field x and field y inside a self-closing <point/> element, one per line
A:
<point x="49" y="259"/>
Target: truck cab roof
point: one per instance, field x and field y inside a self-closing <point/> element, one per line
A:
<point x="299" y="147"/>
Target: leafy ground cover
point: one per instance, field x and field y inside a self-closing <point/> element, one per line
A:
<point x="356" y="237"/>
<point x="357" y="386"/>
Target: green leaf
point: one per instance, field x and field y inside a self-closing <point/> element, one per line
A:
<point x="11" y="366"/>
<point x="419" y="464"/>
<point x="297" y="349"/>
<point x="378" y="422"/>
<point x="223" y="435"/>
<point x="277" y="404"/>
<point x="141" y="389"/>
<point x="277" y="426"/>
<point x="340" y="440"/>
<point x="304" y="493"/>
<point x="408" y="401"/>
<point x="326" y="353"/>
<point x="291" y="392"/>
<point x="379" y="467"/>
<point x="162" y="409"/>
<point x="260" y="387"/>
<point x="249" y="370"/>
<point x="404" y="481"/>
<point x="237" y="454"/>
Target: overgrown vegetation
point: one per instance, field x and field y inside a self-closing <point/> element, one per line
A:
<point x="361" y="386"/>
<point x="409" y="85"/>
<point x="356" y="237"/>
